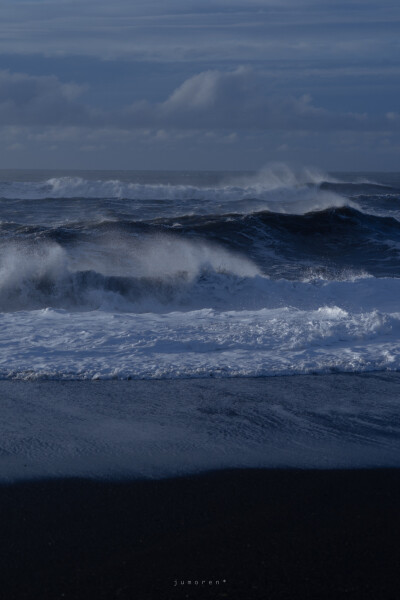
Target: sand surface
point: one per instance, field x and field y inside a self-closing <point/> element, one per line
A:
<point x="279" y="534"/>
<point x="175" y="427"/>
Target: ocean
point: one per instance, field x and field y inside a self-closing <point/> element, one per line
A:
<point x="221" y="280"/>
<point x="166" y="275"/>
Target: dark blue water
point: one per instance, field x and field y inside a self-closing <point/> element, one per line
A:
<point x="290" y="225"/>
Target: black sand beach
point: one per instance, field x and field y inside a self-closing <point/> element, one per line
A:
<point x="271" y="533"/>
<point x="149" y="435"/>
<point x="265" y="534"/>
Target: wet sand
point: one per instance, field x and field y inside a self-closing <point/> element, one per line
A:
<point x="169" y="428"/>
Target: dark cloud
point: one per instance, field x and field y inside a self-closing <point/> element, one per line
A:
<point x="164" y="79"/>
<point x="238" y="100"/>
<point x="240" y="30"/>
<point x="29" y="100"/>
<point x="212" y="100"/>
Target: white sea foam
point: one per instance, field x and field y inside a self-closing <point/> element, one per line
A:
<point x="56" y="343"/>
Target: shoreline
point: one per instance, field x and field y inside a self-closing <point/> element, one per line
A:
<point x="175" y="427"/>
<point x="260" y="533"/>
<point x="30" y="377"/>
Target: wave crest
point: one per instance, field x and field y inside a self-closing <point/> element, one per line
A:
<point x="276" y="188"/>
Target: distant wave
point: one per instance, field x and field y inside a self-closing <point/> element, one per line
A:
<point x="264" y="184"/>
<point x="258" y="195"/>
<point x="274" y="188"/>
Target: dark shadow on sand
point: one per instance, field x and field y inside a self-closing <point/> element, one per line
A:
<point x="265" y="534"/>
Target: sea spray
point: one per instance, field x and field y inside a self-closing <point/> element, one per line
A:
<point x="171" y="275"/>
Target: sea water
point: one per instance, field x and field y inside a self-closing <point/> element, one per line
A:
<point x="179" y="274"/>
<point x="199" y="286"/>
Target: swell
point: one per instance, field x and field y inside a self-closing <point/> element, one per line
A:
<point x="328" y="240"/>
<point x="357" y="188"/>
<point x="281" y="245"/>
<point x="328" y="221"/>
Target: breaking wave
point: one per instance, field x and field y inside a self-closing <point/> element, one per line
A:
<point x="163" y="274"/>
<point x="193" y="275"/>
<point x="325" y="242"/>
<point x="147" y="275"/>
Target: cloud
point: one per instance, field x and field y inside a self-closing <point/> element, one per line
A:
<point x="31" y="100"/>
<point x="216" y="100"/>
<point x="235" y="100"/>
<point x="199" y="30"/>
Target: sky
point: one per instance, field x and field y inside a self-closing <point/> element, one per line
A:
<point x="195" y="84"/>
